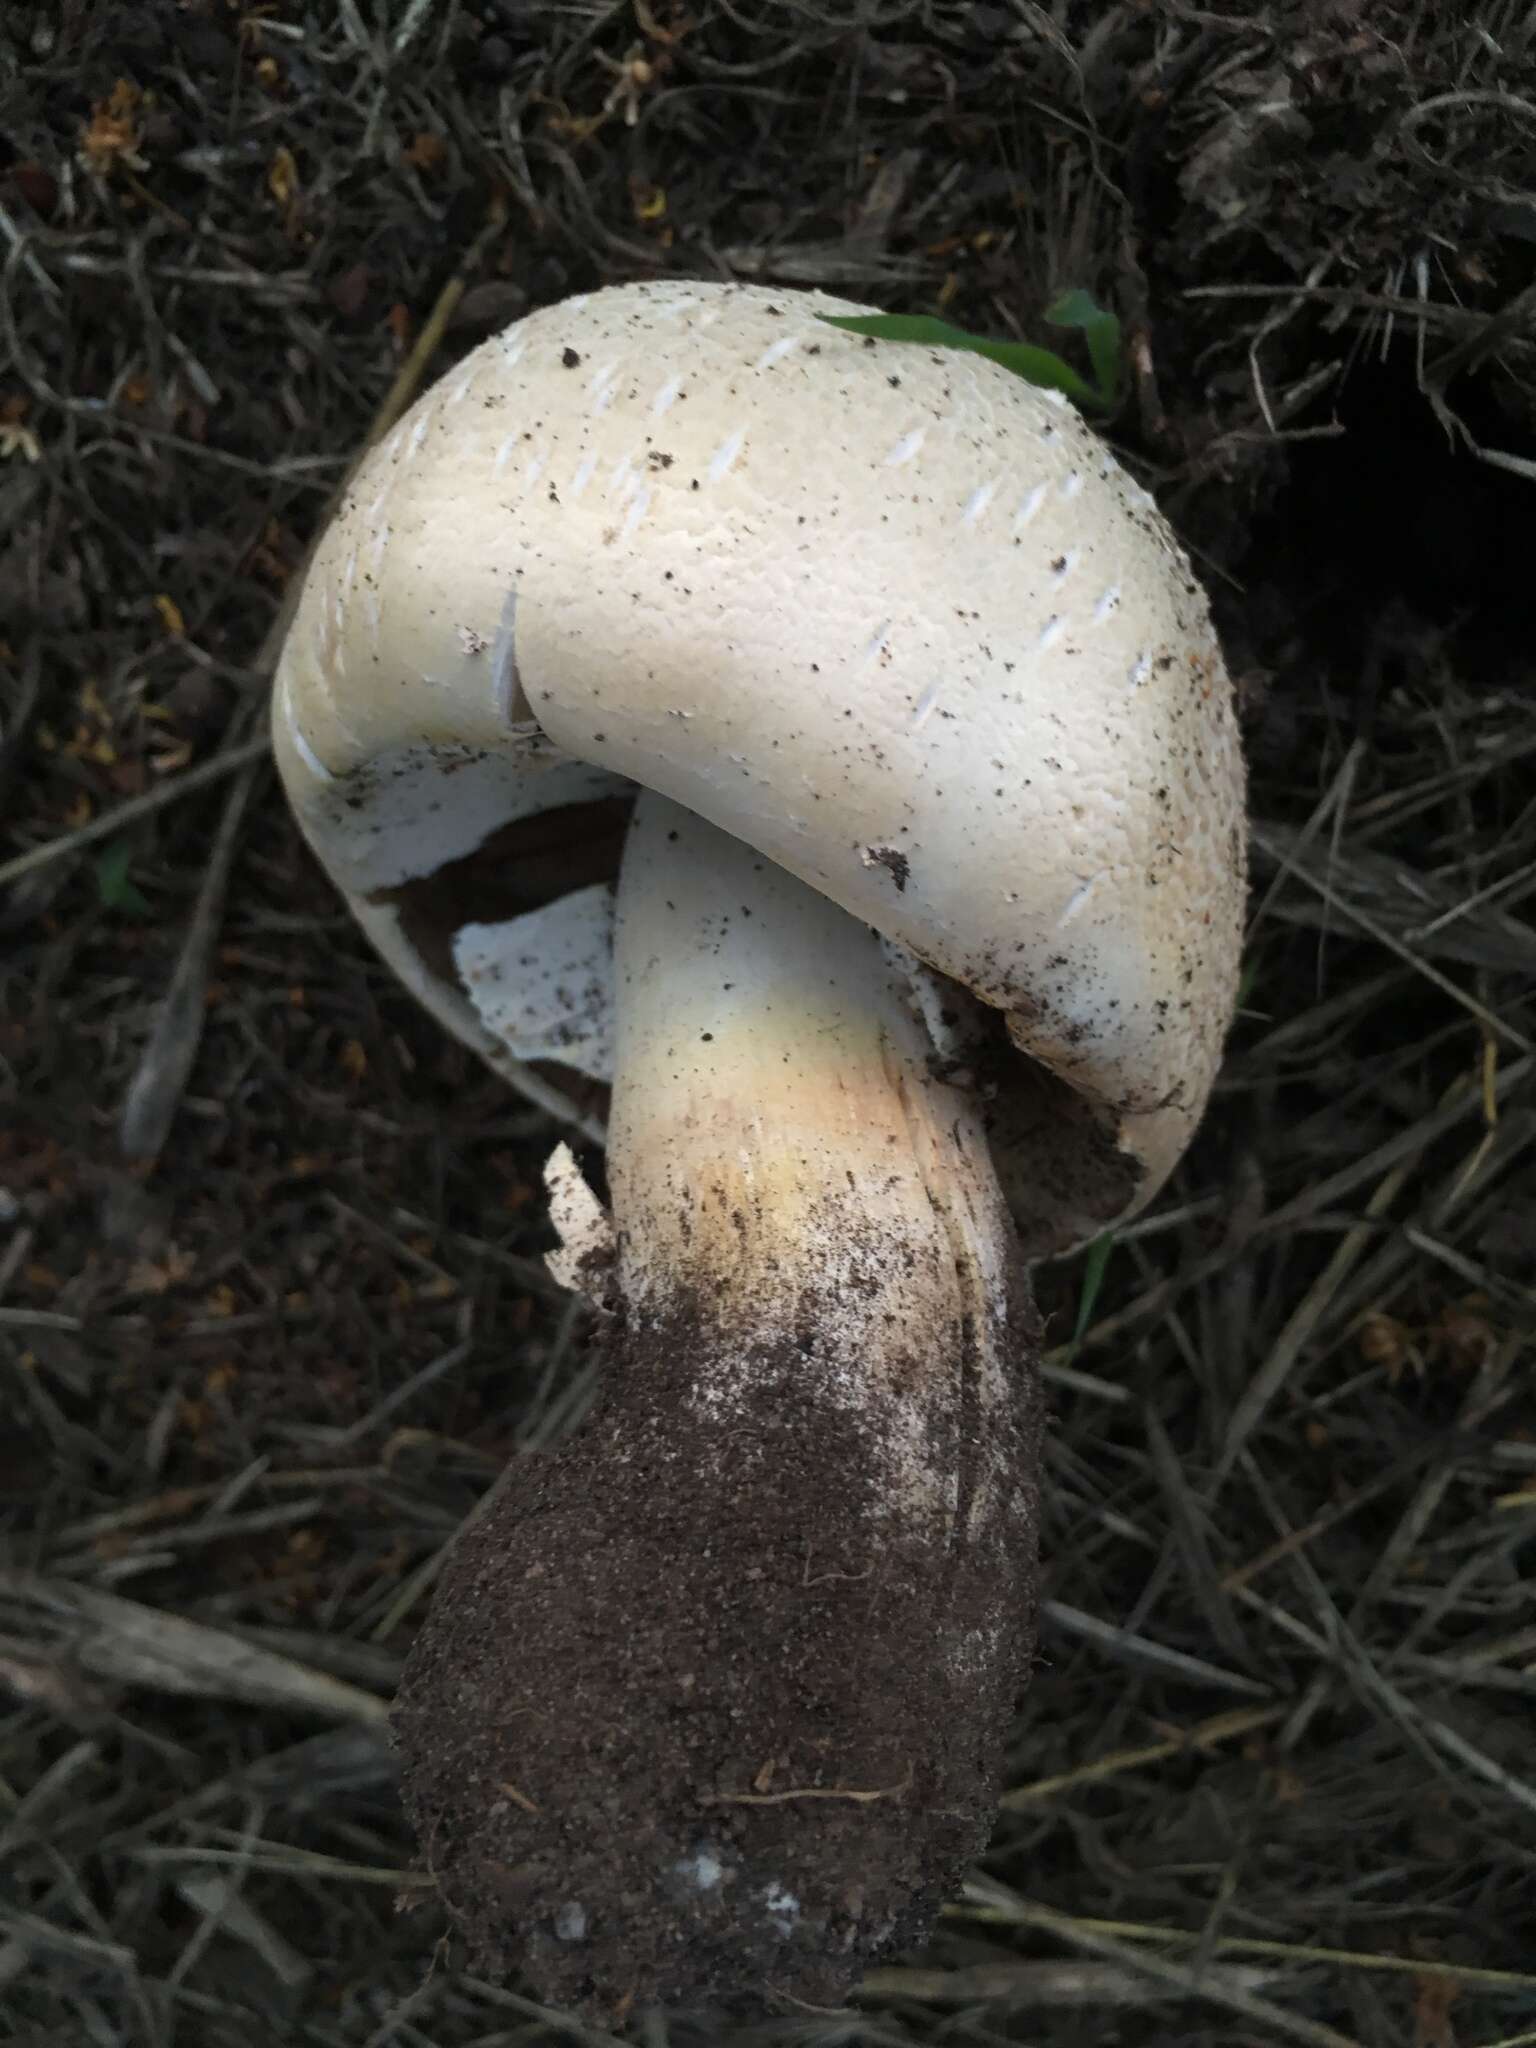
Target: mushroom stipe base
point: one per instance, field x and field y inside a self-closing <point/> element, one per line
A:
<point x="778" y="1738"/>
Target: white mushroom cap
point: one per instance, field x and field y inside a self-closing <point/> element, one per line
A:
<point x="887" y="613"/>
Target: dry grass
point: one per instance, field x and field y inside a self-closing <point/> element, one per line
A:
<point x="1274" y="1780"/>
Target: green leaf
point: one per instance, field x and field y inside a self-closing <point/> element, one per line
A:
<point x="1095" y="1265"/>
<point x="117" y="892"/>
<point x="1101" y="331"/>
<point x="1040" y="366"/>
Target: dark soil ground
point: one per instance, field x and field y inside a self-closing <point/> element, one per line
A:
<point x="271" y="1323"/>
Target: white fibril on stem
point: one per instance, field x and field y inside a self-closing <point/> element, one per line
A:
<point x="786" y="1171"/>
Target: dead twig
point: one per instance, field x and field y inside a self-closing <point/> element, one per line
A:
<point x="795" y="1792"/>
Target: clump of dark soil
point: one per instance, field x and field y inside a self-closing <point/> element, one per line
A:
<point x="701" y="1713"/>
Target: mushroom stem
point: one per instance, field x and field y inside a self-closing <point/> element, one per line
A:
<point x="788" y="1180"/>
<point x="741" y="1654"/>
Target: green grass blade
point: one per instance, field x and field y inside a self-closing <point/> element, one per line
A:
<point x="1039" y="366"/>
<point x="113" y="884"/>
<point x="1095" y="1265"/>
<point x="1100" y="331"/>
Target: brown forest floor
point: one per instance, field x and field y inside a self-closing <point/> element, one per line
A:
<point x="1275" y="1780"/>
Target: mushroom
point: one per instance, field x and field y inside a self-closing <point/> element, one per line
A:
<point x="811" y="762"/>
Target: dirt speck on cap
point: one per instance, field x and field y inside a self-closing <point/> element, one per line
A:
<point x="696" y="1717"/>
